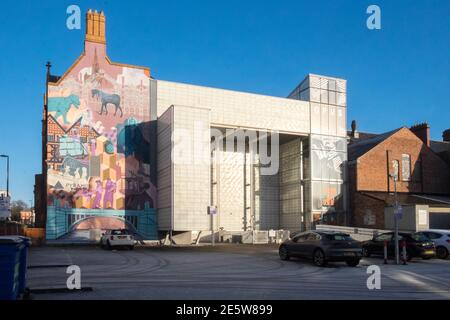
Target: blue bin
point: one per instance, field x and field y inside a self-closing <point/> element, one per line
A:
<point x="11" y="248"/>
<point x="23" y="264"/>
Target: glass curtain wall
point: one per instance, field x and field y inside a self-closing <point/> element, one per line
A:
<point x="328" y="149"/>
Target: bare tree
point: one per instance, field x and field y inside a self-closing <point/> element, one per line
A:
<point x="16" y="207"/>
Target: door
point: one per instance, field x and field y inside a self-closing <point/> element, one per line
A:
<point x="231" y="191"/>
<point x="311" y="242"/>
<point x="298" y="245"/>
<point x="439" y="220"/>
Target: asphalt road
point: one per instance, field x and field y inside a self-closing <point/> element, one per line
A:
<point x="226" y="272"/>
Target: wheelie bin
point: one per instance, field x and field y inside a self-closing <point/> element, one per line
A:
<point x="23" y="264"/>
<point x="13" y="251"/>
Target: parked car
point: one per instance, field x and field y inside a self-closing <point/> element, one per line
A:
<point x="417" y="245"/>
<point x="441" y="239"/>
<point x="117" y="238"/>
<point x="322" y="247"/>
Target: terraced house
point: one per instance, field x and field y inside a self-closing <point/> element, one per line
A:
<point x="403" y="160"/>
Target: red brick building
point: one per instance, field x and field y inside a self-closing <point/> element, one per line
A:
<point x="373" y="160"/>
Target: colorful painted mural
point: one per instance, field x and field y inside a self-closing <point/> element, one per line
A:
<point x="98" y="151"/>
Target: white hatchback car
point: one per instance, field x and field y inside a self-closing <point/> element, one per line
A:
<point x="441" y="239"/>
<point x="117" y="238"/>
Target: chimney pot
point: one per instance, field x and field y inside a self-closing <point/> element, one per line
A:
<point x="355" y="133"/>
<point x="422" y="131"/>
<point x="446" y="135"/>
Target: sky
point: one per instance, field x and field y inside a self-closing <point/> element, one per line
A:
<point x="397" y="76"/>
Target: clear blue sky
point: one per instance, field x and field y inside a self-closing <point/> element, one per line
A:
<point x="397" y="76"/>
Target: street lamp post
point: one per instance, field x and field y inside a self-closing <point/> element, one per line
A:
<point x="7" y="173"/>
<point x="396" y="216"/>
<point x="44" y="146"/>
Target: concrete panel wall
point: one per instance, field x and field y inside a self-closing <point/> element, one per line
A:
<point x="191" y="168"/>
<point x="231" y="191"/>
<point x="246" y="199"/>
<point x="267" y="205"/>
<point x="234" y="109"/>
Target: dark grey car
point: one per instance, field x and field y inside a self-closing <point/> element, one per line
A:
<point x="322" y="247"/>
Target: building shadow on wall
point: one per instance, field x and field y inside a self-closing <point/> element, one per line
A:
<point x="137" y="142"/>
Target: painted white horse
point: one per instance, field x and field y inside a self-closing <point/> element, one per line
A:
<point x="84" y="74"/>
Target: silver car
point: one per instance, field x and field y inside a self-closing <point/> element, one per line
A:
<point x="441" y="239"/>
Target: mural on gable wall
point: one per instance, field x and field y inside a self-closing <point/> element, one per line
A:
<point x="98" y="151"/>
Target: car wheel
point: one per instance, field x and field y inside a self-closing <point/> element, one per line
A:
<point x="130" y="247"/>
<point x="366" y="253"/>
<point x="441" y="252"/>
<point x="108" y="245"/>
<point x="283" y="252"/>
<point x="352" y="263"/>
<point x="319" y="258"/>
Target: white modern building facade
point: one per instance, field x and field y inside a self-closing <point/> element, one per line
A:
<point x="263" y="162"/>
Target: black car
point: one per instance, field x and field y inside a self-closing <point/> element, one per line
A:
<point x="322" y="247"/>
<point x="417" y="245"/>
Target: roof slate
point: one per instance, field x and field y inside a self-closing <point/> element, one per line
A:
<point x="357" y="149"/>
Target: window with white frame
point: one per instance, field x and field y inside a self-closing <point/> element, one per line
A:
<point x="395" y="169"/>
<point x="406" y="167"/>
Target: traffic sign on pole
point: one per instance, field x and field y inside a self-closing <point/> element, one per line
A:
<point x="398" y="210"/>
<point x="5" y="207"/>
<point x="212" y="211"/>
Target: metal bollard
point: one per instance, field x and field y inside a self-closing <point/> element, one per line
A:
<point x="385" y="252"/>
<point x="404" y="252"/>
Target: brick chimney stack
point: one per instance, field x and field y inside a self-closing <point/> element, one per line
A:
<point x="95" y="27"/>
<point x="446" y="135"/>
<point x="422" y="131"/>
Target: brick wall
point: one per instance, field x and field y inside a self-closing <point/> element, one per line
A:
<point x="367" y="212"/>
<point x="370" y="172"/>
<point x="429" y="173"/>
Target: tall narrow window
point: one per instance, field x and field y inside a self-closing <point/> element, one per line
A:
<point x="395" y="169"/>
<point x="406" y="167"/>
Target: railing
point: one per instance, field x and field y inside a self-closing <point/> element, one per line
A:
<point x="9" y="228"/>
<point x="360" y="234"/>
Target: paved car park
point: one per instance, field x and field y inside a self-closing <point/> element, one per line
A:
<point x="225" y="272"/>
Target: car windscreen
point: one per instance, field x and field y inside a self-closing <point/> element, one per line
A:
<point x="119" y="232"/>
<point x="339" y="237"/>
<point x="419" y="237"/>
